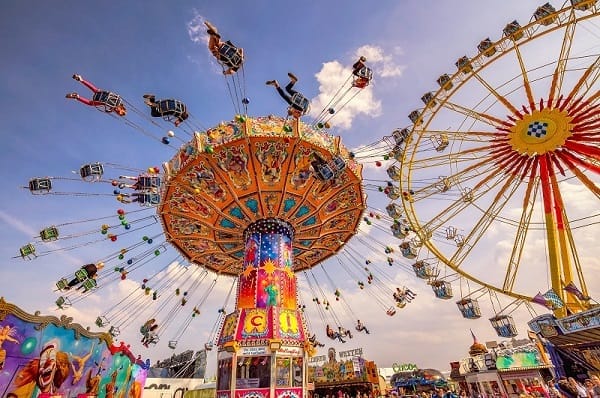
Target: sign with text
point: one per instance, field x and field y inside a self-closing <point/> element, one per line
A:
<point x="357" y="352"/>
<point x="248" y="351"/>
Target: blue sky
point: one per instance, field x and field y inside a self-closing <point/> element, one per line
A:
<point x="152" y="47"/>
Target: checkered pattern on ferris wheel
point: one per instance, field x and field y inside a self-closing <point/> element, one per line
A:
<point x="551" y="296"/>
<point x="537" y="129"/>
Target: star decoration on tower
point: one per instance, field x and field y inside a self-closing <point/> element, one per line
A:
<point x="269" y="267"/>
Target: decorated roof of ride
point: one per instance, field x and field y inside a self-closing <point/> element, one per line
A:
<point x="250" y="169"/>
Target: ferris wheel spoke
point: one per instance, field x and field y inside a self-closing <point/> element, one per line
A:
<point x="529" y="202"/>
<point x="587" y="80"/>
<point x="502" y="197"/>
<point x="559" y="72"/>
<point x="496" y="94"/>
<point x="480" y="116"/>
<point x="455" y="208"/>
<point x="524" y="74"/>
<point x="460" y="156"/>
<point x="571" y="161"/>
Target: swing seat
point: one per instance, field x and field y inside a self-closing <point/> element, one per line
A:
<point x="89" y="284"/>
<point x="101" y="321"/>
<point x="409" y="252"/>
<point x="363" y="77"/>
<point x="440" y="142"/>
<point x="300" y="103"/>
<point x="324" y="172"/>
<point x="114" y="331"/>
<point x="63" y="302"/>
<point x="338" y="163"/>
<point x="393" y="172"/>
<point x="208" y="346"/>
<point x="149" y="199"/>
<point x="91" y="172"/>
<point x="49" y="234"/>
<point x="81" y="275"/>
<point x="27" y="251"/>
<point x="109" y="101"/>
<point x="170" y="109"/>
<point x="61" y="284"/>
<point x="391" y="311"/>
<point x="37" y="185"/>
<point x="230" y="55"/>
<point x="147" y="183"/>
<point x="394" y="210"/>
<point x="400" y="136"/>
<point x="172" y="344"/>
<point x="394" y="193"/>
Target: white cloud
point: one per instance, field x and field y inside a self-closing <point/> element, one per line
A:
<point x="196" y="29"/>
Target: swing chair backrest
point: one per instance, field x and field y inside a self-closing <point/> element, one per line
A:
<point x="172" y="344"/>
<point x="149" y="199"/>
<point x="81" y="275"/>
<point x="89" y="284"/>
<point x="40" y="184"/>
<point x="148" y="183"/>
<point x="109" y="101"/>
<point x="171" y="108"/>
<point x="338" y="163"/>
<point x="91" y="172"/>
<point x="300" y="102"/>
<point x="61" y="284"/>
<point x="62" y="302"/>
<point x="230" y="55"/>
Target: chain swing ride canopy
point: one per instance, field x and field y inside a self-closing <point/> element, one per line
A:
<point x="250" y="169"/>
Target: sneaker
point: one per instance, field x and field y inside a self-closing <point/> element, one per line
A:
<point x="72" y="95"/>
<point x="271" y="83"/>
<point x="293" y="77"/>
<point x="363" y="59"/>
<point x="149" y="96"/>
<point x="77" y="77"/>
<point x="212" y="30"/>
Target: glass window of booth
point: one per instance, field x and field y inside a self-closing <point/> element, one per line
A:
<point x="254" y="372"/>
<point x="224" y="374"/>
<point x="289" y="372"/>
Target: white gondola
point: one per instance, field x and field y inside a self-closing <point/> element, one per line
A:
<point x="451" y="232"/>
<point x="469" y="308"/>
<point x="393" y="192"/>
<point x="445" y="82"/>
<point x="544" y="14"/>
<point x="459" y="240"/>
<point x="415" y="117"/>
<point x="172" y="344"/>
<point x="114" y="331"/>
<point x="467" y="194"/>
<point x="486" y="47"/>
<point x="504" y="326"/>
<point x="91" y="172"/>
<point x="464" y="64"/>
<point x="440" y="142"/>
<point x="428" y="100"/>
<point x="400" y="136"/>
<point x="394" y="172"/>
<point x="424" y="270"/>
<point x="442" y="289"/>
<point x="394" y="210"/>
<point x="583" y="5"/>
<point x="513" y="30"/>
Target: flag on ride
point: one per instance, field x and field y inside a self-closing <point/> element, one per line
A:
<point x="539" y="299"/>
<point x="571" y="288"/>
<point x="555" y="301"/>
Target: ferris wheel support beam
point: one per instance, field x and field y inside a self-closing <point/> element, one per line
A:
<point x="551" y="234"/>
<point x="519" y="244"/>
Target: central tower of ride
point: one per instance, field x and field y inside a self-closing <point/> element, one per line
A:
<point x="261" y="199"/>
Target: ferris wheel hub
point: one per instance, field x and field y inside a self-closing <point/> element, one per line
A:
<point x="540" y="132"/>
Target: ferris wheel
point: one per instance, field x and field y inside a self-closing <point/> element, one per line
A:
<point x="499" y="172"/>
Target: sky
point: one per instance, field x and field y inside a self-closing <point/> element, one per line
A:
<point x="157" y="47"/>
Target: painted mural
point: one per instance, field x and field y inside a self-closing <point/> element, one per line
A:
<point x="43" y="356"/>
